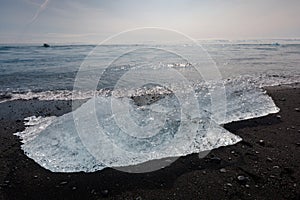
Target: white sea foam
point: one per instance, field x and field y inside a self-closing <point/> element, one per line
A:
<point x="257" y="81"/>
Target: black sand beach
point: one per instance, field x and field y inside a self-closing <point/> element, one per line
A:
<point x="265" y="165"/>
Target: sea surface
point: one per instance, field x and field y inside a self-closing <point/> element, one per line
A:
<point x="146" y="101"/>
<point x="28" y="71"/>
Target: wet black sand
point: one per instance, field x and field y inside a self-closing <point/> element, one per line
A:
<point x="266" y="162"/>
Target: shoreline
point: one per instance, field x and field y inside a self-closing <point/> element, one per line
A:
<point x="265" y="162"/>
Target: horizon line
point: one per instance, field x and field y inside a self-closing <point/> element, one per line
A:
<point x="145" y="42"/>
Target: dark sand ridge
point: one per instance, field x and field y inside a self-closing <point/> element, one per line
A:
<point x="265" y="165"/>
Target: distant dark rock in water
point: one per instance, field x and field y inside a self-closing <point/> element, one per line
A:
<point x="46" y="45"/>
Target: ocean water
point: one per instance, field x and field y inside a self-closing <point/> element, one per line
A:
<point x="146" y="102"/>
<point x="32" y="70"/>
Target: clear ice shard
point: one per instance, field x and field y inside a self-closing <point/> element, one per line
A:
<point x="96" y="135"/>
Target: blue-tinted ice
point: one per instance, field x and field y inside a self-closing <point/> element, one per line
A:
<point x="96" y="136"/>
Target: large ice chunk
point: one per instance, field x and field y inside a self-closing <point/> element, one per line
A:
<point x="59" y="148"/>
<point x="138" y="128"/>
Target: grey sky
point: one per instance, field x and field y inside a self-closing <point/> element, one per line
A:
<point x="94" y="20"/>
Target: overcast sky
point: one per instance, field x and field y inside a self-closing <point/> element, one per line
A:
<point x="89" y="21"/>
